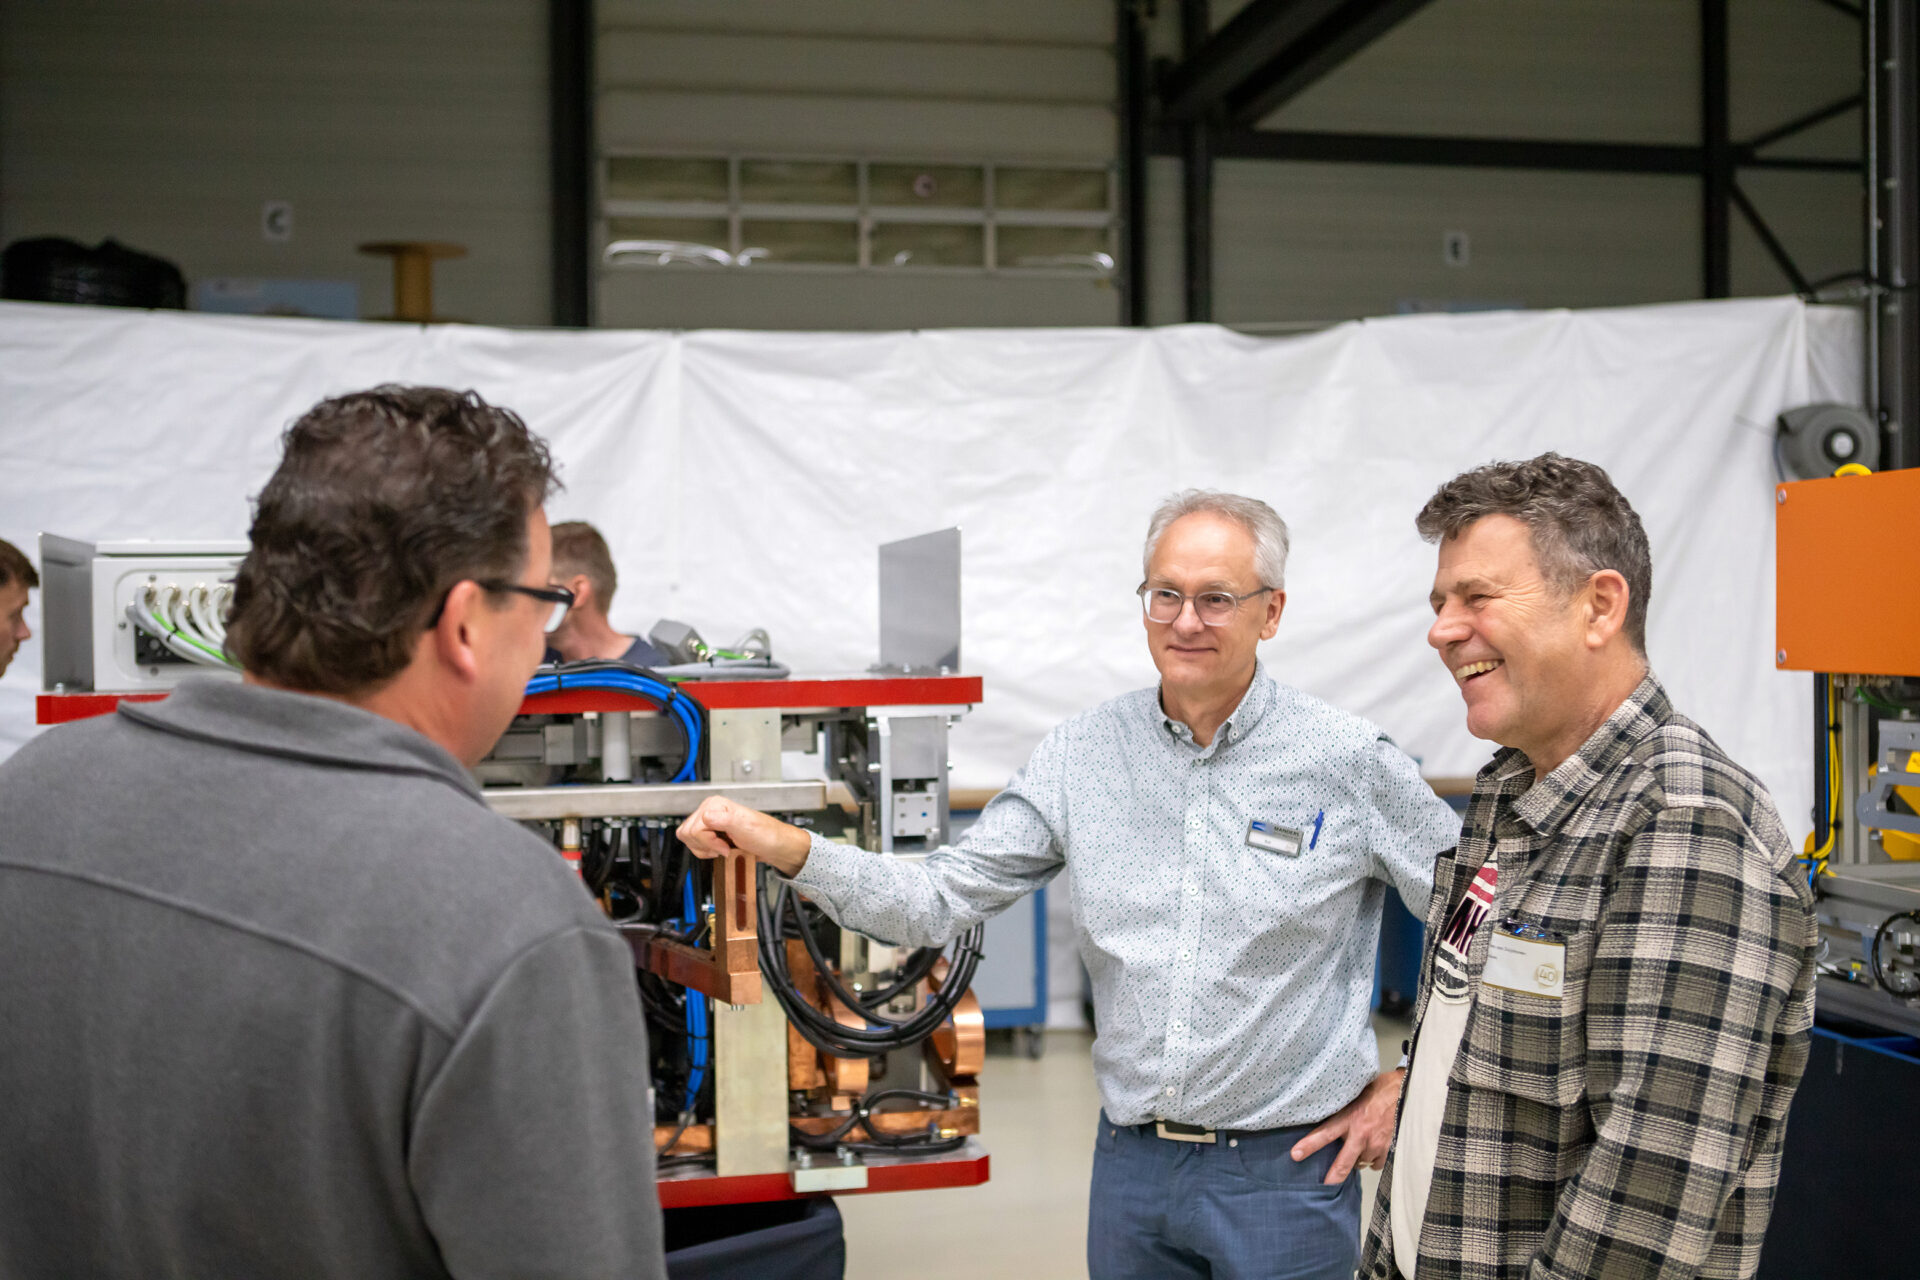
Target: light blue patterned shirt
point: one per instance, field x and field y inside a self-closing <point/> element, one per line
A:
<point x="1231" y="984"/>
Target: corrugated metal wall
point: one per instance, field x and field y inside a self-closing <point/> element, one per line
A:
<point x="1316" y="241"/>
<point x="166" y="124"/>
<point x="933" y="80"/>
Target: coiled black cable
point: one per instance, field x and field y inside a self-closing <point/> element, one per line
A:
<point x="1912" y="983"/>
<point x="820" y="1028"/>
<point x="878" y="1140"/>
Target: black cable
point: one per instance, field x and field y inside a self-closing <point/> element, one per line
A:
<point x="660" y="849"/>
<point x="830" y="1138"/>
<point x="1822" y="761"/>
<point x="877" y="1138"/>
<point x="679" y="1130"/>
<point x="1879" y="974"/>
<point x="596" y="876"/>
<point x="821" y="1029"/>
<point x="690" y="1159"/>
<point x="917" y="969"/>
<point x="869" y="1005"/>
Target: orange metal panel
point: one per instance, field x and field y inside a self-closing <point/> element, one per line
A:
<point x="1847" y="594"/>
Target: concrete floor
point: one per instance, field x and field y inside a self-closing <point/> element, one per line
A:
<point x="1030" y="1219"/>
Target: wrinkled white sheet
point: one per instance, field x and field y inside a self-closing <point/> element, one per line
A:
<point x="745" y="479"/>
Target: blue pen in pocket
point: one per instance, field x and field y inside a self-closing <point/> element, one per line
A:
<point x="1318" y="818"/>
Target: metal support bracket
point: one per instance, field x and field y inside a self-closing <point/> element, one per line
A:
<point x="730" y="971"/>
<point x="1898" y="741"/>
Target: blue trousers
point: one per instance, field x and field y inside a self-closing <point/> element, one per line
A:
<point x="1163" y="1210"/>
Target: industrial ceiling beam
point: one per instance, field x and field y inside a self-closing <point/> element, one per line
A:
<point x="1445" y="152"/>
<point x="1270" y="52"/>
<point x="1474" y="153"/>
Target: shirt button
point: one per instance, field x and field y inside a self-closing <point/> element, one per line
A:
<point x="1169" y="1091"/>
<point x="1193" y="889"/>
<point x="1183" y="954"/>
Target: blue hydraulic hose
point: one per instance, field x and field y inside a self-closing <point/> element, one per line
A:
<point x="658" y="692"/>
<point x="696" y="1014"/>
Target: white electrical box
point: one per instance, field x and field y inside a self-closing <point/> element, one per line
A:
<point x="87" y="641"/>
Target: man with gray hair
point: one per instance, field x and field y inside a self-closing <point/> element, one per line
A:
<point x="1231" y="840"/>
<point x="1613" y="1014"/>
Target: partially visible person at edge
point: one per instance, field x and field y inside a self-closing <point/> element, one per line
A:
<point x="1232" y="840"/>
<point x="17" y="578"/>
<point x="281" y="997"/>
<point x="583" y="565"/>
<point x="1614" y="1014"/>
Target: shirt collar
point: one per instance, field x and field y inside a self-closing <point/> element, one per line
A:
<point x="1551" y="800"/>
<point x="298" y="726"/>
<point x="1254" y="704"/>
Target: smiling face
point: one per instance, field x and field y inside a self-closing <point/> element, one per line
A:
<point x="1199" y="663"/>
<point x="1516" y="644"/>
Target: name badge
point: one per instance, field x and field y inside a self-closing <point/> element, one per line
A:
<point x="1525" y="958"/>
<point x="1284" y="841"/>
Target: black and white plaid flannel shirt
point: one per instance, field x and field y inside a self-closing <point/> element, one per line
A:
<point x="1632" y="1128"/>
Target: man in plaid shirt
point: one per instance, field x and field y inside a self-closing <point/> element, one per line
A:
<point x="1618" y="980"/>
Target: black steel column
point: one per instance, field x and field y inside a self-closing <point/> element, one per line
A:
<point x="1196" y="180"/>
<point x="1716" y="154"/>
<point x="1894" y="62"/>
<point x="570" y="143"/>
<point x="1130" y="57"/>
<point x="1196" y="208"/>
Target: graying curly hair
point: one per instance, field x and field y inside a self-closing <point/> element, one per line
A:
<point x="1262" y="523"/>
<point x="1580" y="524"/>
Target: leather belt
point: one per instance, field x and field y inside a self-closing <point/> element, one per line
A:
<point x="1174" y="1131"/>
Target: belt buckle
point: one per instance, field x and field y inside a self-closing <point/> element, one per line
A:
<point x="1174" y="1131"/>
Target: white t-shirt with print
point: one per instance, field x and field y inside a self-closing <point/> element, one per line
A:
<point x="1441" y="1027"/>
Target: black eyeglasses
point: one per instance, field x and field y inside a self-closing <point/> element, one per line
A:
<point x="559" y="597"/>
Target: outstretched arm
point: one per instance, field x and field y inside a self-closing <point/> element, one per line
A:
<point x="719" y="825"/>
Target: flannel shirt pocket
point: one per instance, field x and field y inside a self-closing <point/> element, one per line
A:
<point x="1528" y="1046"/>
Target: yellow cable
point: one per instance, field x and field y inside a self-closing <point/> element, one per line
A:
<point x="1819" y="856"/>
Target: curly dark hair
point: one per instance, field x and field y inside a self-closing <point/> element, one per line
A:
<point x="1580" y="523"/>
<point x="383" y="500"/>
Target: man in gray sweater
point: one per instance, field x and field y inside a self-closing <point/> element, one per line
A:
<point x="279" y="997"/>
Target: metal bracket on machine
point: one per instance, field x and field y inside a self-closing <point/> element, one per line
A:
<point x="729" y="971"/>
<point x="1898" y="741"/>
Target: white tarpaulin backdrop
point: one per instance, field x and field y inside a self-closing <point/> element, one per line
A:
<point x="745" y="479"/>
